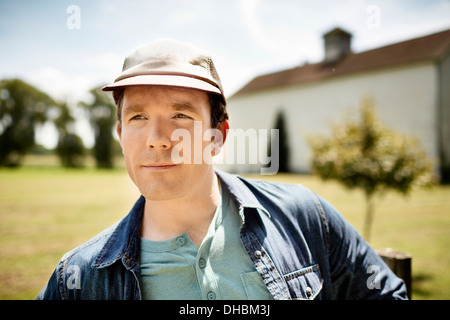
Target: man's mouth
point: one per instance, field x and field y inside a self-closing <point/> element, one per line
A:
<point x="159" y="166"/>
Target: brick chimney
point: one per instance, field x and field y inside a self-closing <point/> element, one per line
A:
<point x="337" y="45"/>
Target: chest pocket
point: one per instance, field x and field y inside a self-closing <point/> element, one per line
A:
<point x="305" y="284"/>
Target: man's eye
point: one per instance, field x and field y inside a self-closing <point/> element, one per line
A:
<point x="137" y="117"/>
<point x="182" y="116"/>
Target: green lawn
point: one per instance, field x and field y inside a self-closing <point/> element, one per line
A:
<point x="46" y="211"/>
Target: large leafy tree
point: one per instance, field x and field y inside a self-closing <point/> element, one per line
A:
<point x="366" y="155"/>
<point x="22" y="106"/>
<point x="103" y="119"/>
<point x="70" y="148"/>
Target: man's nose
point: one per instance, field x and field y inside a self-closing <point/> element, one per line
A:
<point x="158" y="137"/>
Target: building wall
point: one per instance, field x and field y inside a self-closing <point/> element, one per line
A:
<point x="405" y="99"/>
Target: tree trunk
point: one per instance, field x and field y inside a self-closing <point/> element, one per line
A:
<point x="369" y="215"/>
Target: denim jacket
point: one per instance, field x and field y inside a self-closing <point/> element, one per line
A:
<point x="300" y="245"/>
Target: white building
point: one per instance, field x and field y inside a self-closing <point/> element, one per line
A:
<point x="409" y="83"/>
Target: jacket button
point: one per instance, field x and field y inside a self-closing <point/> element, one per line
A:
<point x="257" y="254"/>
<point x="308" y="291"/>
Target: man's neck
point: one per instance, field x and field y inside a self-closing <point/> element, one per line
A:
<point x="166" y="219"/>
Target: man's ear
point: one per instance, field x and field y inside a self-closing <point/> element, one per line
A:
<point x="119" y="132"/>
<point x="219" y="135"/>
<point x="223" y="127"/>
<point x="119" y="129"/>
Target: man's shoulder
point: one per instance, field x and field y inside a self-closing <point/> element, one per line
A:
<point x="84" y="255"/>
<point x="85" y="267"/>
<point x="293" y="199"/>
<point x="279" y="190"/>
<point x="272" y="183"/>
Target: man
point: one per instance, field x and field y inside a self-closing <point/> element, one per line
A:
<point x="199" y="233"/>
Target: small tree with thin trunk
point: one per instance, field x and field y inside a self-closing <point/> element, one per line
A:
<point x="366" y="155"/>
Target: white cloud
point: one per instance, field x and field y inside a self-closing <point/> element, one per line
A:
<point x="75" y="86"/>
<point x="183" y="17"/>
<point x="104" y="68"/>
<point x="279" y="33"/>
<point x="279" y="27"/>
<point x="59" y="85"/>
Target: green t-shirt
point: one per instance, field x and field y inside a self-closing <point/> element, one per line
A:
<point x="220" y="268"/>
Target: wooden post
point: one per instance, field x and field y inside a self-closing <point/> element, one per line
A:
<point x="400" y="263"/>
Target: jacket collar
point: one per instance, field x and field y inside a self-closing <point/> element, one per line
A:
<point x="240" y="190"/>
<point x="124" y="242"/>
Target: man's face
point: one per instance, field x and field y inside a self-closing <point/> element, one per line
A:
<point x="150" y="115"/>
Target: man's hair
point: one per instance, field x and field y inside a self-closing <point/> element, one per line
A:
<point x="218" y="108"/>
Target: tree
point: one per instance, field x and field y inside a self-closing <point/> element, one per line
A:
<point x="22" y="106"/>
<point x="283" y="143"/>
<point x="103" y="120"/>
<point x="371" y="157"/>
<point x="70" y="148"/>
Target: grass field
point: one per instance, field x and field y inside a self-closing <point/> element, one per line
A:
<point x="46" y="211"/>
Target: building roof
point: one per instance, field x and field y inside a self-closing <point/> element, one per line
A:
<point x="431" y="47"/>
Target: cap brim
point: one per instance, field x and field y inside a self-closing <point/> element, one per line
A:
<point x="163" y="80"/>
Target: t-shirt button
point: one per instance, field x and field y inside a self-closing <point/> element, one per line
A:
<point x="181" y="240"/>
<point x="211" y="296"/>
<point x="201" y="263"/>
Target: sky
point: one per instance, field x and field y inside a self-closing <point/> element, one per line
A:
<point x="67" y="47"/>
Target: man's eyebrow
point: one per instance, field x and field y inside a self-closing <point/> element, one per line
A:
<point x="177" y="106"/>
<point x="132" y="108"/>
<point x="184" y="106"/>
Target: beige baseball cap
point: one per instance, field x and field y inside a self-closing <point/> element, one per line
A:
<point x="171" y="63"/>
